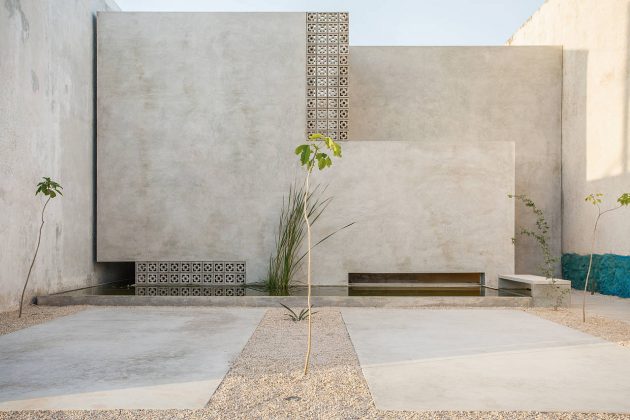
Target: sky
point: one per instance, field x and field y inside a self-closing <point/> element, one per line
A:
<point x="386" y="22"/>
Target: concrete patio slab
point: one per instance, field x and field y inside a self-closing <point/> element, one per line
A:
<point x="127" y="358"/>
<point x="485" y="360"/>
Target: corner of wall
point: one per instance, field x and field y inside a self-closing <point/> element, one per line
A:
<point x="529" y="19"/>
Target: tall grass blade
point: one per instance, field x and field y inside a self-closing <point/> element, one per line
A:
<point x="286" y="259"/>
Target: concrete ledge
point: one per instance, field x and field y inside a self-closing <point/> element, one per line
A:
<point x="544" y="292"/>
<point x="293" y="301"/>
<point x="533" y="280"/>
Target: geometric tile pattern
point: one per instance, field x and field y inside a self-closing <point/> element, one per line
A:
<point x="190" y="273"/>
<point x="327" y="74"/>
<point x="189" y="290"/>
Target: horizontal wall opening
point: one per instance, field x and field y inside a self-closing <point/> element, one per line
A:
<point x="414" y="278"/>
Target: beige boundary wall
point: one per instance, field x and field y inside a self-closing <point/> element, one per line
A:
<point x="47" y="125"/>
<point x="595" y="35"/>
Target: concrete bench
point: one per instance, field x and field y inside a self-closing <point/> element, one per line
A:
<point x="544" y="292"/>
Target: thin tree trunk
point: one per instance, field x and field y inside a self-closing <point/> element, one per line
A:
<point x="28" y="276"/>
<point x="588" y="272"/>
<point x="308" y="275"/>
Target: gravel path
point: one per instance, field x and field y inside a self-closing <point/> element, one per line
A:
<point x="608" y="329"/>
<point x="266" y="382"/>
<point x="33" y="315"/>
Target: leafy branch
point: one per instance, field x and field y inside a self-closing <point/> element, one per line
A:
<point x="596" y="199"/>
<point x="50" y="189"/>
<point x="540" y="235"/>
<point x="315" y="151"/>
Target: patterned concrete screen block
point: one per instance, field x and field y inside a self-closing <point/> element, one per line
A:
<point x="190" y="273"/>
<point x="143" y="290"/>
<point x="327" y="74"/>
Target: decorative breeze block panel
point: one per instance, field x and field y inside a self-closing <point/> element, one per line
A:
<point x="327" y="74"/>
<point x="189" y="291"/>
<point x="185" y="273"/>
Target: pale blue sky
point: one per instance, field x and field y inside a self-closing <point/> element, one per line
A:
<point x="386" y="22"/>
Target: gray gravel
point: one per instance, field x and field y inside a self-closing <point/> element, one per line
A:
<point x="608" y="329"/>
<point x="265" y="382"/>
<point x="33" y="315"/>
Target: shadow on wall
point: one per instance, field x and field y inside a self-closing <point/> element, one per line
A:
<point x="595" y="160"/>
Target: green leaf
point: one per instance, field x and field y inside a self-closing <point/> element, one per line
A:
<point x="321" y="164"/>
<point x="48" y="187"/>
<point x="298" y="150"/>
<point x="291" y="313"/>
<point x="305" y="153"/>
<point x="337" y="150"/>
<point x="594" y="199"/>
<point x="624" y="199"/>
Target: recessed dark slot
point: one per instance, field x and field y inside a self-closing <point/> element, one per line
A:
<point x="414" y="291"/>
<point x="412" y="278"/>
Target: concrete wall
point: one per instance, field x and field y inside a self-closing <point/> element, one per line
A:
<point x="47" y="126"/>
<point x="198" y="116"/>
<point x="415" y="210"/>
<point x="470" y="94"/>
<point x="595" y="138"/>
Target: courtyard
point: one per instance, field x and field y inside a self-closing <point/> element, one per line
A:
<point x="367" y="363"/>
<point x="315" y="209"/>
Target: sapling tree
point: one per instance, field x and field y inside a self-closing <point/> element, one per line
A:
<point x="596" y="200"/>
<point x="542" y="237"/>
<point x="50" y="189"/>
<point x="311" y="154"/>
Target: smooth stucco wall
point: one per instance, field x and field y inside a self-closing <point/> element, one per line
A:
<point x="470" y="94"/>
<point x="415" y="210"/>
<point x="595" y="35"/>
<point x="46" y="121"/>
<point x="198" y="114"/>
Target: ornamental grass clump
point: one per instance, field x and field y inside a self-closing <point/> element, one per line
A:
<point x="285" y="261"/>
<point x="288" y="256"/>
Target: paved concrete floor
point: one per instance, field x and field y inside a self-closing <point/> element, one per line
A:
<point x="486" y="360"/>
<point x="123" y="358"/>
<point x="607" y="306"/>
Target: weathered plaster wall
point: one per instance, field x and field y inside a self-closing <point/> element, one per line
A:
<point x="470" y="94"/>
<point x="595" y="139"/>
<point x="47" y="126"/>
<point x="198" y="116"/>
